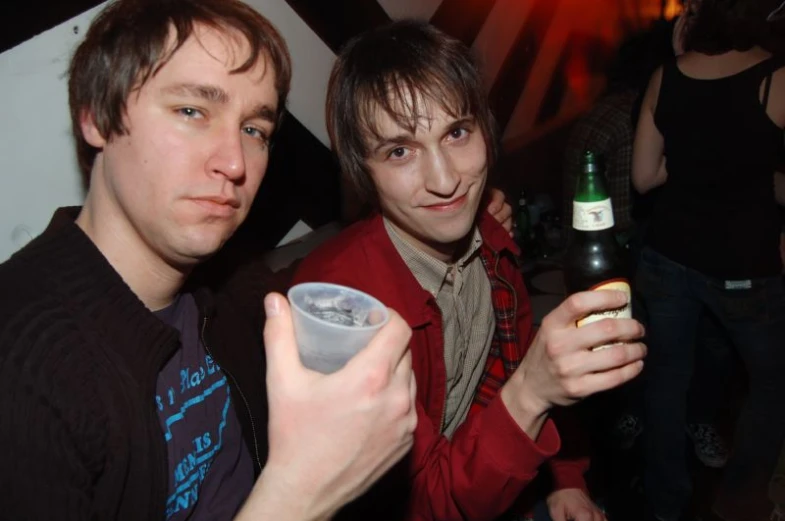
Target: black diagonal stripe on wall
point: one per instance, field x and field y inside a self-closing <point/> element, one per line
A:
<point x="517" y="67"/>
<point x="21" y="20"/>
<point x="463" y="19"/>
<point x="301" y="183"/>
<point x="336" y="21"/>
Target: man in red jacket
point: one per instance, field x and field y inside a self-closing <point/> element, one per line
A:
<point x="413" y="132"/>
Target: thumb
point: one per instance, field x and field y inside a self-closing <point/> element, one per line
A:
<point x="559" y="513"/>
<point x="496" y="201"/>
<point x="280" y="345"/>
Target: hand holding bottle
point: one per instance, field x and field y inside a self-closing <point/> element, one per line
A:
<point x="560" y="367"/>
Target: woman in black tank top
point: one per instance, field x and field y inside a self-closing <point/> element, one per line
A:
<point x="711" y="134"/>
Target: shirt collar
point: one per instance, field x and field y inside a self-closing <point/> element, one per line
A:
<point x="429" y="271"/>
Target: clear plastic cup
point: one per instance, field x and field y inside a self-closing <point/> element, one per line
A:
<point x="332" y="323"/>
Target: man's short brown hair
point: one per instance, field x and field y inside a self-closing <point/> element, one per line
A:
<point x="130" y="41"/>
<point x="393" y="68"/>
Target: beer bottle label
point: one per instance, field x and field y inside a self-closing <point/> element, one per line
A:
<point x="591" y="217"/>
<point x="622" y="312"/>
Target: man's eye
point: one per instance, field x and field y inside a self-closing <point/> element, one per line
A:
<point x="398" y="153"/>
<point x="458" y="133"/>
<point x="256" y="134"/>
<point x="190" y="112"/>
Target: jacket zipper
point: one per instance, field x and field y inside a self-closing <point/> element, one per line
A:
<point x="444" y="402"/>
<point x="239" y="390"/>
<point x="444" y="413"/>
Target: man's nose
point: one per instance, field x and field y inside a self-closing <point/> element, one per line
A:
<point x="441" y="176"/>
<point x="228" y="157"/>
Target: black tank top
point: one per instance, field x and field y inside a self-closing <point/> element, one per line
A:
<point x="717" y="213"/>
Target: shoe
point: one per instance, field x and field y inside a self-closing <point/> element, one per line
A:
<point x="709" y="445"/>
<point x="627" y="430"/>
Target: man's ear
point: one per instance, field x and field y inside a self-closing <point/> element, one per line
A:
<point x="90" y="130"/>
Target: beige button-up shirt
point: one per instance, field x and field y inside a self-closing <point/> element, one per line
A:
<point x="463" y="294"/>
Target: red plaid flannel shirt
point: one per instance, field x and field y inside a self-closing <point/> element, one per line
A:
<point x="506" y="352"/>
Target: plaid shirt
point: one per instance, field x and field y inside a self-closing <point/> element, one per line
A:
<point x="606" y="130"/>
<point x="506" y="352"/>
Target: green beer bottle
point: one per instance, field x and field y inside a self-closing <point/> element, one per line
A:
<point x="594" y="260"/>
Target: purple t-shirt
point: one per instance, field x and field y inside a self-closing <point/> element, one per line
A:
<point x="210" y="468"/>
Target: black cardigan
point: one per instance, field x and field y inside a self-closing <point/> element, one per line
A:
<point x="79" y="359"/>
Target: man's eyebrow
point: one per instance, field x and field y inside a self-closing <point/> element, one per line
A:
<point x="265" y="112"/>
<point x="203" y="91"/>
<point x="403" y="138"/>
<point x="464" y="120"/>
<point x="399" y="139"/>
<point x="216" y="94"/>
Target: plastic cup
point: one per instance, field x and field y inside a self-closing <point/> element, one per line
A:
<point x="324" y="344"/>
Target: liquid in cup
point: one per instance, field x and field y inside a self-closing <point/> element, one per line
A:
<point x="332" y="323"/>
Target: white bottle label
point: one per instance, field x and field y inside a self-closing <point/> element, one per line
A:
<point x="622" y="312"/>
<point x="590" y="217"/>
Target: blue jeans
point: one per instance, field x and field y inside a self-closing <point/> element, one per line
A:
<point x="754" y="318"/>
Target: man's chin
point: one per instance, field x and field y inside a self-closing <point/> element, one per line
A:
<point x="195" y="252"/>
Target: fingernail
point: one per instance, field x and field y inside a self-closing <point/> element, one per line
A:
<point x="271" y="306"/>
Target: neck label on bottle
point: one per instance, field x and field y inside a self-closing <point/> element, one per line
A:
<point x="591" y="217"/>
<point x="622" y="312"/>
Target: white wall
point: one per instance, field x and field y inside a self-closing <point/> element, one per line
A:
<point x="37" y="159"/>
<point x="422" y="9"/>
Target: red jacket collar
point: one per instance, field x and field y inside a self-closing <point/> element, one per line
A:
<point x="393" y="282"/>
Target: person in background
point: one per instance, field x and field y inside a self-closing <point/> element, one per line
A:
<point x="710" y="134"/>
<point x="608" y="128"/>
<point x="129" y="389"/>
<point x="412" y="130"/>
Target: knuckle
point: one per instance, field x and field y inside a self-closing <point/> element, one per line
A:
<point x="619" y="355"/>
<point x="572" y="388"/>
<point x="554" y="348"/>
<point x="413" y="421"/>
<point x="399" y="327"/>
<point x="575" y="304"/>
<point x="623" y="376"/>
<point x="546" y="325"/>
<point x="561" y="370"/>
<point x="610" y="326"/>
<point x="401" y="403"/>
<point x="375" y="379"/>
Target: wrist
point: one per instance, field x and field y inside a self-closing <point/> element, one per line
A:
<point x="276" y="497"/>
<point x="528" y="410"/>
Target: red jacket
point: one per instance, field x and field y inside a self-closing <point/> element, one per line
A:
<point x="480" y="472"/>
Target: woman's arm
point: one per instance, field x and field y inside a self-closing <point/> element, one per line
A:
<point x="648" y="161"/>
<point x="779" y="188"/>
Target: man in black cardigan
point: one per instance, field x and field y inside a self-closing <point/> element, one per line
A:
<point x="128" y="389"/>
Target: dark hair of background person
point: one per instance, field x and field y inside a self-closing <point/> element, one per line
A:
<point x="639" y="56"/>
<point x="129" y="42"/>
<point x="396" y="68"/>
<point x="721" y="26"/>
